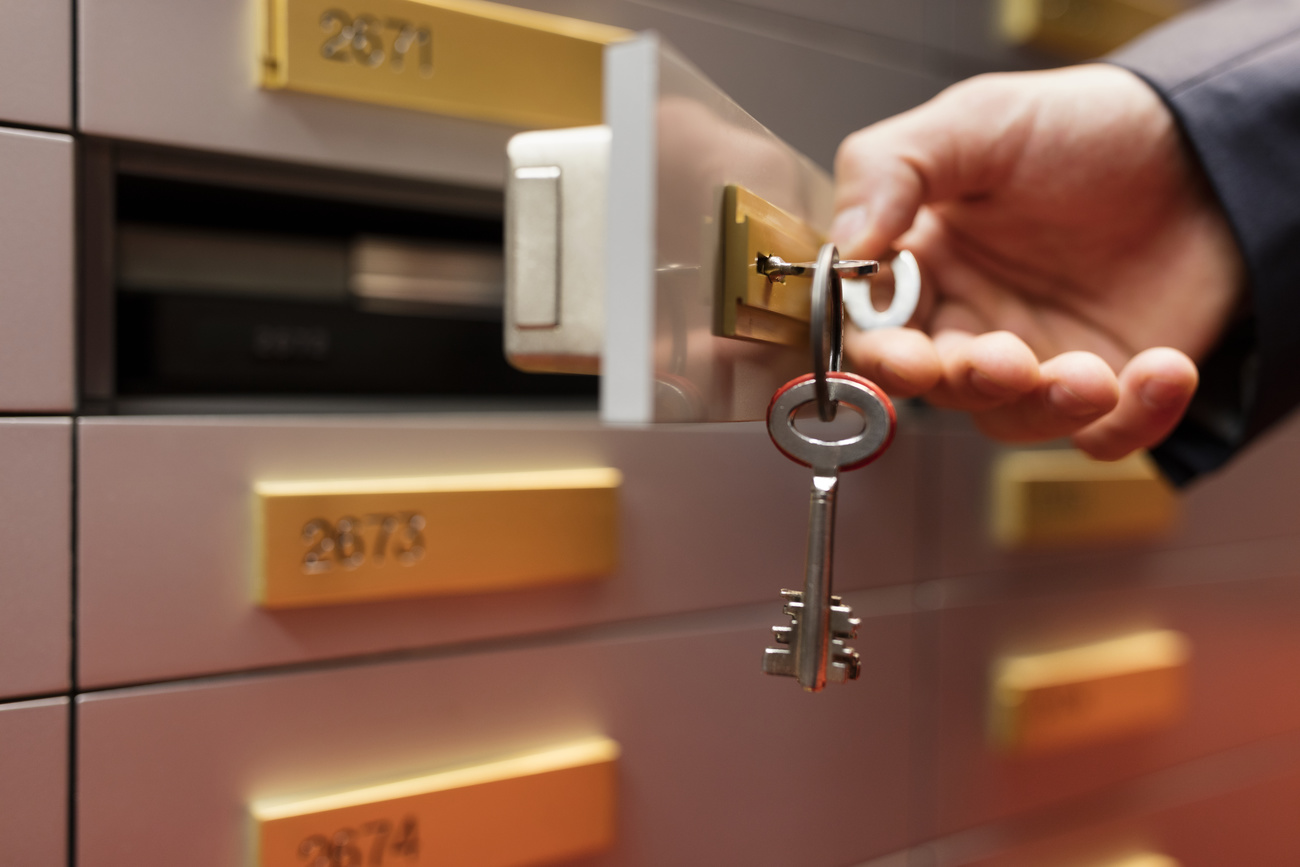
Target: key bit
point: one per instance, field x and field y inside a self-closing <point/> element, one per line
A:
<point x="843" y="623"/>
<point x="843" y="662"/>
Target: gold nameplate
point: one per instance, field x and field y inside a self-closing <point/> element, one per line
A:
<point x="1065" y="698"/>
<point x="325" y="543"/>
<point x="1057" y="498"/>
<point x="750" y="305"/>
<point x="466" y="58"/>
<point x="1081" y="28"/>
<point x="535" y="809"/>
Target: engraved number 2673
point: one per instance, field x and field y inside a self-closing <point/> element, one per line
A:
<point x="351" y="541"/>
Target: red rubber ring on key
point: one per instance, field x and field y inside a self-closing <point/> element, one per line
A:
<point x="851" y="377"/>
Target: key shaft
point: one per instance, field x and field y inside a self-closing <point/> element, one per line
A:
<point x="814" y="632"/>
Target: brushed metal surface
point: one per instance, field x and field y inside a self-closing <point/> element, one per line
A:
<point x="36" y="537"/>
<point x="1246" y="824"/>
<point x="710" y="517"/>
<point x="1243" y="646"/>
<point x="1257" y="496"/>
<point x="192" y="82"/>
<point x="195" y="86"/>
<point x="34" y="782"/>
<point x="36" y="63"/>
<point x="37" y="260"/>
<point x="702" y="777"/>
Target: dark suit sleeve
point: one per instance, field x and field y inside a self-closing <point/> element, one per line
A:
<point x="1230" y="73"/>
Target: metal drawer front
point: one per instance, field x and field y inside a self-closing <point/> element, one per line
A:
<point x="36" y="536"/>
<point x="193" y="84"/>
<point x="34" y="785"/>
<point x="36" y="63"/>
<point x="1241" y="645"/>
<point x="706" y="773"/>
<point x="36" y="272"/>
<point x="1234" y="809"/>
<point x="711" y="517"/>
<point x="1254" y="498"/>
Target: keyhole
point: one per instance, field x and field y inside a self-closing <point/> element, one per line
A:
<point x="846" y="425"/>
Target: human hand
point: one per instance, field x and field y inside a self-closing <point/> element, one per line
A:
<point x="1074" y="262"/>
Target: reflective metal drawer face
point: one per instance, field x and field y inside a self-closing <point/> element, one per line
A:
<point x="36" y="63"/>
<point x="37" y="259"/>
<point x="34" y="784"/>
<point x="709" y="517"/>
<point x="1238" y="810"/>
<point x="1237" y="647"/>
<point x="36" y="536"/>
<point x="706" y="775"/>
<point x="196" y="87"/>
<point x="1255" y="498"/>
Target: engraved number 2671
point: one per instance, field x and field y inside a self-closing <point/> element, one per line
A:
<point x="369" y="41"/>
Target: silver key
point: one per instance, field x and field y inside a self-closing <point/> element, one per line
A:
<point x="812" y="648"/>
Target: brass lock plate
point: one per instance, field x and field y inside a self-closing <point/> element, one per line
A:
<point x="750" y="306"/>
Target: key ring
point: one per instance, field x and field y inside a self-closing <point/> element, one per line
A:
<point x="827" y="290"/>
<point x="845" y="454"/>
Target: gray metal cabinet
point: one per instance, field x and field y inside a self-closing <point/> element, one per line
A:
<point x="707" y="775"/>
<point x="36" y="535"/>
<point x="37" y="263"/>
<point x="36" y="63"/>
<point x="711" y="517"/>
<point x="34" y="784"/>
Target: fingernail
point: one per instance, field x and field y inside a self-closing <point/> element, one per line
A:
<point x="988" y="387"/>
<point x="1160" y="394"/>
<point x="848" y="225"/>
<point x="1062" y="399"/>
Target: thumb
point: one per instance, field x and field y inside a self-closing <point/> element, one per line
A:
<point x="963" y="143"/>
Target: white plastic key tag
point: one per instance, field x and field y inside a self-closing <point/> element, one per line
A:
<point x="907" y="294"/>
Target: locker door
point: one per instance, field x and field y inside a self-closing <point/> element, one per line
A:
<point x="666" y="297"/>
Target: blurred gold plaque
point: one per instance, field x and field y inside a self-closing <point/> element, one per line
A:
<point x="752" y="306"/>
<point x="1081" y="28"/>
<point x="1065" y="698"/>
<point x="326" y="543"/>
<point x="467" y="58"/>
<point x="1059" y="498"/>
<point x="539" y="808"/>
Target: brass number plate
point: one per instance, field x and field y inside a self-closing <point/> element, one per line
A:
<point x="332" y="542"/>
<point x="1066" y="698"/>
<point x="466" y="58"/>
<point x="1055" y="498"/>
<point x="539" y="808"/>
